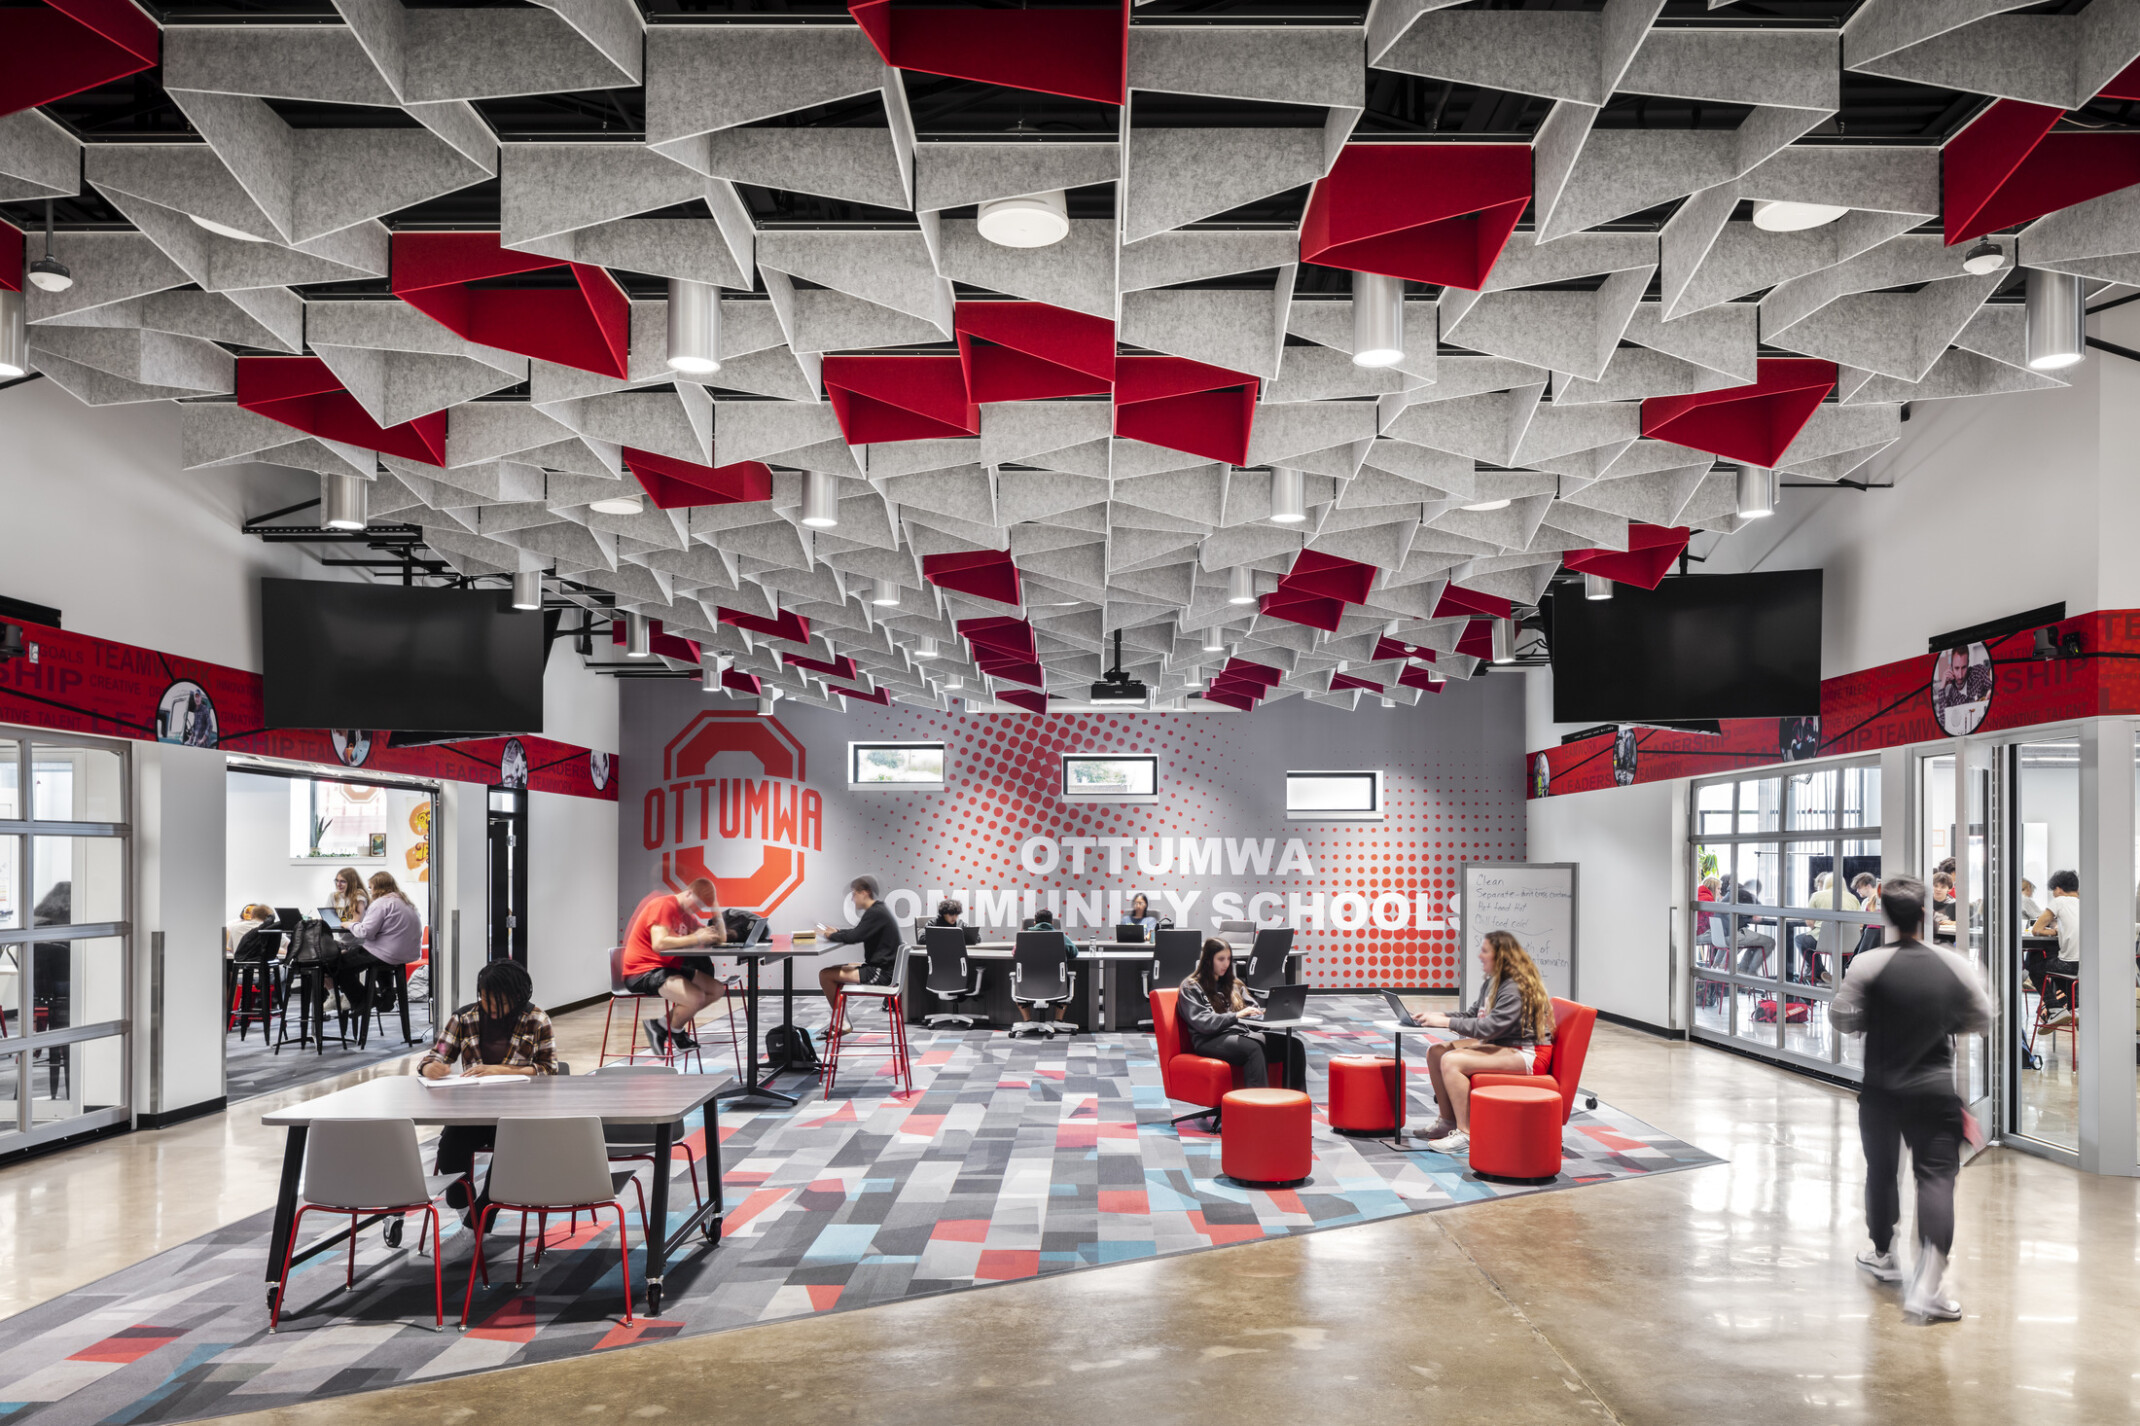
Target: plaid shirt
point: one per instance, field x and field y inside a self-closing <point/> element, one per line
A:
<point x="533" y="1044"/>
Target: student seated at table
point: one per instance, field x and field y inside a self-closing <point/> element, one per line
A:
<point x="1044" y="920"/>
<point x="875" y="932"/>
<point x="664" y="929"/>
<point x="1220" y="1021"/>
<point x="262" y="937"/>
<point x="948" y="912"/>
<point x="502" y="1033"/>
<point x="1509" y="1030"/>
<point x="1140" y="914"/>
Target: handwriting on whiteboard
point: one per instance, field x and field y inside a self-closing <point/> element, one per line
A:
<point x="1534" y="904"/>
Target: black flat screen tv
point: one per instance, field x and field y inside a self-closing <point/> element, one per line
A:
<point x="388" y="657"/>
<point x="1697" y="646"/>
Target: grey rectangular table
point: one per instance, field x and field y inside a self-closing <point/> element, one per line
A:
<point x="658" y="1100"/>
<point x="780" y="948"/>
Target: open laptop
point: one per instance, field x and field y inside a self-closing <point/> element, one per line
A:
<point x="289" y="918"/>
<point x="1397" y="1007"/>
<point x="1129" y="934"/>
<point x="334" y="922"/>
<point x="1285" y="1002"/>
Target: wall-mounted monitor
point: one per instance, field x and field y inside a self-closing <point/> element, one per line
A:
<point x="1696" y="646"/>
<point x="384" y="656"/>
<point x="1110" y="777"/>
<point x="909" y="765"/>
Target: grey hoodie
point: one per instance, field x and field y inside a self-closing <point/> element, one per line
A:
<point x="1503" y="1023"/>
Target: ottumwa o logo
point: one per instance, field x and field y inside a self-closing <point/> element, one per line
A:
<point x="733" y="805"/>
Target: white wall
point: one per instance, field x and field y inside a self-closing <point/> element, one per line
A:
<point x="1626" y="841"/>
<point x="178" y="880"/>
<point x="105" y="527"/>
<point x="572" y="896"/>
<point x="578" y="706"/>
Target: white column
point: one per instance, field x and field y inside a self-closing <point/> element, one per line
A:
<point x="2106" y="983"/>
<point x="461" y="862"/>
<point x="178" y="825"/>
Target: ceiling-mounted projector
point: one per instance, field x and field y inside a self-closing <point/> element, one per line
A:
<point x="1117" y="686"/>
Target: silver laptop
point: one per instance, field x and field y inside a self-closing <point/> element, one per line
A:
<point x="1285" y="1002"/>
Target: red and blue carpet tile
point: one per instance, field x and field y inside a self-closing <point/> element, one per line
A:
<point x="1014" y="1159"/>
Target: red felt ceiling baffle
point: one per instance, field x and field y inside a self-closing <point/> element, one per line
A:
<point x="1754" y="423"/>
<point x="1431" y="212"/>
<point x="1413" y="676"/>
<point x="1457" y="601"/>
<point x="63" y="47"/>
<point x="745" y="683"/>
<point x="1330" y="576"/>
<point x="1080" y="53"/>
<point x="1316" y="611"/>
<point x="900" y="398"/>
<point x="1030" y="351"/>
<point x="1651" y="552"/>
<point x="790" y="626"/>
<point x="986" y="574"/>
<point x="856" y="695"/>
<point x="302" y="393"/>
<point x="1478" y="640"/>
<point x="680" y="485"/>
<point x="586" y="326"/>
<point x="1186" y="406"/>
<point x="1022" y="698"/>
<point x="2007" y="167"/>
<point x="842" y="667"/>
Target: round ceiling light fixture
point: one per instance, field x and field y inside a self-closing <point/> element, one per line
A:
<point x="694" y="327"/>
<point x="887" y="595"/>
<point x="1289" y="496"/>
<point x="1756" y="492"/>
<point x="2056" y="335"/>
<point x="1377" y="319"/>
<point x="1775" y="215"/>
<point x="1983" y="259"/>
<point x="48" y="273"/>
<point x="1240" y="585"/>
<point x="820" y="499"/>
<point x="627" y="503"/>
<point x="224" y="230"/>
<point x="1035" y="220"/>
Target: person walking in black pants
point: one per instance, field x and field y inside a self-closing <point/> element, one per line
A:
<point x="1909" y="1001"/>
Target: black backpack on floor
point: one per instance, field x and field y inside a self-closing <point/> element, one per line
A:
<point x="788" y="1047"/>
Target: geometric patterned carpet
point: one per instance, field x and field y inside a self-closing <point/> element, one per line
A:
<point x="1014" y="1158"/>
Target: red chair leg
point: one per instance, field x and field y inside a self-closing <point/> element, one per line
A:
<point x="282" y="1283"/>
<point x="349" y="1279"/>
<point x="735" y="1042"/>
<point x="607" y="1016"/>
<point x="520" y="1263"/>
<point x="438" y="1271"/>
<point x="624" y="1259"/>
<point x="482" y="1223"/>
<point x="691" y="1162"/>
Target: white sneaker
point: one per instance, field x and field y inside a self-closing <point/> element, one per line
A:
<point x="1925" y="1298"/>
<point x="1439" y="1129"/>
<point x="1454" y="1142"/>
<point x="1881" y="1265"/>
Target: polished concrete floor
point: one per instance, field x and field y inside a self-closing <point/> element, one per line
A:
<point x="1724" y="1294"/>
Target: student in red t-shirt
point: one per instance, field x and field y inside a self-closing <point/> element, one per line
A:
<point x="663" y="930"/>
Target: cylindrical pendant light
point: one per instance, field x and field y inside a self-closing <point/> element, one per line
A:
<point x="14" y="336"/>
<point x="887" y="595"/>
<point x="925" y="649"/>
<point x="1757" y="492"/>
<point x="1240" y="585"/>
<point x="638" y="638"/>
<point x="1504" y="641"/>
<point x="1596" y="586"/>
<point x="1436" y="680"/>
<point x="765" y="706"/>
<point x="1289" y="495"/>
<point x="710" y="672"/>
<point x="1377" y="319"/>
<point x="694" y="327"/>
<point x="1215" y="640"/>
<point x="2057" y="330"/>
<point x="527" y="589"/>
<point x="821" y="499"/>
<point x="344" y="500"/>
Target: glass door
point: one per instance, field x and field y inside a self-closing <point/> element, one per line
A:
<point x="2037" y="925"/>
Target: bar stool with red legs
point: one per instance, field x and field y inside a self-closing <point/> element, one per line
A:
<point x="893" y="1040"/>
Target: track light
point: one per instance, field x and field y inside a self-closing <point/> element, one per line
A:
<point x="821" y="499"/>
<point x="1775" y="215"/>
<point x="1240" y="585"/>
<point x="48" y="272"/>
<point x="1289" y="496"/>
<point x="926" y="649"/>
<point x="638" y="637"/>
<point x="527" y="589"/>
<point x="1035" y="220"/>
<point x="629" y="502"/>
<point x="1377" y="319"/>
<point x="1504" y="641"/>
<point x="14" y="336"/>
<point x="1983" y="259"/>
<point x="344" y="501"/>
<point x="2057" y="334"/>
<point x="887" y="595"/>
<point x="694" y="327"/>
<point x="1596" y="586"/>
<point x="1757" y="492"/>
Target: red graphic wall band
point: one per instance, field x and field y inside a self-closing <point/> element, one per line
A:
<point x="1754" y="423"/>
<point x="303" y="394"/>
<point x="900" y="398"/>
<point x="2007" y="168"/>
<point x="1884" y="707"/>
<point x="1080" y="53"/>
<point x="1651" y="552"/>
<point x="680" y="485"/>
<point x="985" y="574"/>
<point x="586" y="326"/>
<point x="1030" y="351"/>
<point x="63" y="47"/>
<point x="1436" y="213"/>
<point x="777" y="816"/>
<point x="1185" y="405"/>
<point x="82" y="684"/>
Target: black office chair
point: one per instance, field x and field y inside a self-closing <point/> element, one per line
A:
<point x="948" y="979"/>
<point x="1173" y="961"/>
<point x="1041" y="977"/>
<point x="1266" y="959"/>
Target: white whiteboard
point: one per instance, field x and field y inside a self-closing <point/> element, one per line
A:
<point x="1535" y="901"/>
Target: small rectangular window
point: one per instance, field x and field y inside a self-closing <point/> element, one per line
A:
<point x="1334" y="796"/>
<point x="1106" y="777"/>
<point x="895" y="764"/>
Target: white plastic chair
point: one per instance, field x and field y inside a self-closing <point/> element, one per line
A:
<point x="546" y="1166"/>
<point x="362" y="1167"/>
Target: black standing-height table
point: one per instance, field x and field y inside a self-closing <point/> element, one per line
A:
<point x="781" y="948"/>
<point x="658" y="1100"/>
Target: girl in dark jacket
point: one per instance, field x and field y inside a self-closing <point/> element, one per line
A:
<point x="1508" y="1031"/>
<point x="1218" y="1019"/>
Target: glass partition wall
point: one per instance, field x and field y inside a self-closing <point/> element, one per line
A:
<point x="1780" y="862"/>
<point x="64" y="879"/>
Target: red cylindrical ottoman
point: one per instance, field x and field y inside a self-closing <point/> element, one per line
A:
<point x="1515" y="1131"/>
<point x="1363" y="1095"/>
<point x="1264" y="1136"/>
